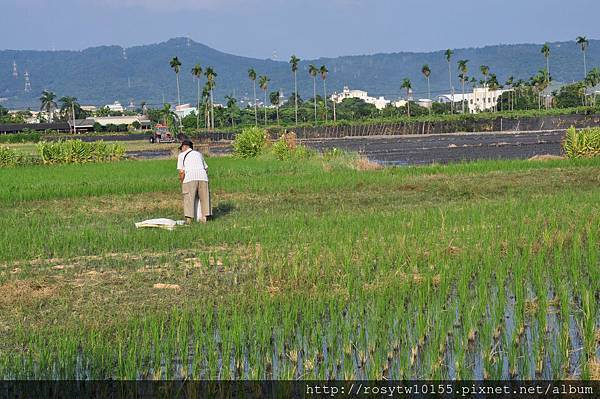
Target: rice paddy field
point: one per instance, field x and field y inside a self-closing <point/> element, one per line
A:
<point x="309" y="270"/>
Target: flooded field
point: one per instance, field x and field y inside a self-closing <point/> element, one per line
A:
<point x="309" y="270"/>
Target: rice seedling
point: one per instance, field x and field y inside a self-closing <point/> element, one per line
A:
<point x="431" y="272"/>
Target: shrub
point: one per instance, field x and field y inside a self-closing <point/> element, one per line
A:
<point x="24" y="137"/>
<point x="77" y="151"/>
<point x="8" y="157"/>
<point x="583" y="143"/>
<point x="250" y="142"/>
<point x="11" y="158"/>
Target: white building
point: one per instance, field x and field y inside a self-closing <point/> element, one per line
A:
<point x="115" y="107"/>
<point x="379" y="102"/>
<point x="480" y="99"/>
<point x="184" y="110"/>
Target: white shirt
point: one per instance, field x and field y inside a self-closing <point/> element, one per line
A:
<point x="194" y="166"/>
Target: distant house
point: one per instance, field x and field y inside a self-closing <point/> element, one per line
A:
<point x="115" y="107"/>
<point x="89" y="108"/>
<point x="184" y="110"/>
<point x="379" y="102"/>
<point x="480" y="99"/>
<point x="87" y="125"/>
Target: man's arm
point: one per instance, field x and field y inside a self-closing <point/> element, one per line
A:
<point x="181" y="175"/>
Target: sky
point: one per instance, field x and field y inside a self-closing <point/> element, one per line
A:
<point x="307" y="28"/>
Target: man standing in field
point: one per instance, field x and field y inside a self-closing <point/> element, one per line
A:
<point x="194" y="181"/>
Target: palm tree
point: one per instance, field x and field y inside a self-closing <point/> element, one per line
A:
<point x="463" y="68"/>
<point x="323" y="71"/>
<point x="67" y="106"/>
<point x="263" y="83"/>
<point x="408" y="86"/>
<point x="176" y="65"/>
<point x="252" y="77"/>
<point x="210" y="81"/>
<point x="485" y="71"/>
<point x="583" y="42"/>
<point x="313" y="71"/>
<point x="231" y="104"/>
<point x="169" y="116"/>
<point x="448" y="55"/>
<point x="294" y="62"/>
<point x="197" y="73"/>
<point x="426" y="71"/>
<point x="510" y="84"/>
<point x="47" y="103"/>
<point x="546" y="51"/>
<point x="592" y="80"/>
<point x="275" y="98"/>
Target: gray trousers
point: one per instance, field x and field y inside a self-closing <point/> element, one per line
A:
<point x="192" y="190"/>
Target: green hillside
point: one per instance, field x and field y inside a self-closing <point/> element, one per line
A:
<point x="101" y="75"/>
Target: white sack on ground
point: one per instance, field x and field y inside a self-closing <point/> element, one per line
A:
<point x="161" y="223"/>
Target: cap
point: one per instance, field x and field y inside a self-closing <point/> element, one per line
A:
<point x="189" y="143"/>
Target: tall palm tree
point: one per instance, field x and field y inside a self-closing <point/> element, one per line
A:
<point x="313" y="71"/>
<point x="294" y="63"/>
<point x="210" y="81"/>
<point x="47" y="103"/>
<point x="426" y="71"/>
<point x="275" y="98"/>
<point x="263" y="83"/>
<point x="197" y="73"/>
<point x="485" y="71"/>
<point x="176" y="65"/>
<point x="323" y="71"/>
<point x="408" y="86"/>
<point x="463" y="68"/>
<point x="510" y="84"/>
<point x="546" y="51"/>
<point x="448" y="53"/>
<point x="231" y="104"/>
<point x="252" y="77"/>
<point x="584" y="43"/>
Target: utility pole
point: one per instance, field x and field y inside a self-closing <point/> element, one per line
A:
<point x="73" y="109"/>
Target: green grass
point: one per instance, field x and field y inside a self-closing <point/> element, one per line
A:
<point x="308" y="270"/>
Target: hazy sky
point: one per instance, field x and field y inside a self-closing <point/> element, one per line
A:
<point x="309" y="28"/>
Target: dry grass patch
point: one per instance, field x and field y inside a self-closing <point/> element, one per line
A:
<point x="24" y="292"/>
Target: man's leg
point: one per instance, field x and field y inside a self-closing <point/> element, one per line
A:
<point x="189" y="191"/>
<point x="204" y="198"/>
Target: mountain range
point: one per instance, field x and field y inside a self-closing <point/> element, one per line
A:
<point x="102" y="75"/>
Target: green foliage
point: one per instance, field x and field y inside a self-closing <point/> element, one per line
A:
<point x="10" y="158"/>
<point x="282" y="150"/>
<point x="584" y="143"/>
<point x="24" y="137"/>
<point x="570" y="95"/>
<point x="250" y="143"/>
<point x="77" y="151"/>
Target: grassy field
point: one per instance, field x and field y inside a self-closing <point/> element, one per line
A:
<point x="309" y="269"/>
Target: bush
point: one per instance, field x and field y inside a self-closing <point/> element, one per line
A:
<point x="583" y="143"/>
<point x="250" y="142"/>
<point x="10" y="158"/>
<point x="77" y="151"/>
<point x="24" y="137"/>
